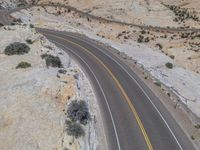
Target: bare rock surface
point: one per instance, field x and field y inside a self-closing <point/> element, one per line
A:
<point x="33" y="100"/>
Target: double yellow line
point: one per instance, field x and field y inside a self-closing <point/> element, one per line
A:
<point x="149" y="145"/>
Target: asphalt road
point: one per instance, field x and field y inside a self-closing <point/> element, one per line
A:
<point x="134" y="118"/>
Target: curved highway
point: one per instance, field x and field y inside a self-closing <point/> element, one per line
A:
<point x="133" y="117"/>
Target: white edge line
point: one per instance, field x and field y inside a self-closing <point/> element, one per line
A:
<point x="117" y="138"/>
<point x="138" y="86"/>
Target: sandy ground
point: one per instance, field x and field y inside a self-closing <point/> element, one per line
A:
<point x="147" y="12"/>
<point x="33" y="100"/>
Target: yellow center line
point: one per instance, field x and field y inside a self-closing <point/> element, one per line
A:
<point x="149" y="145"/>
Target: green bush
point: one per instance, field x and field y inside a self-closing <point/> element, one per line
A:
<point x="78" y="111"/>
<point x="169" y="65"/>
<point x="23" y="65"/>
<point x="17" y="48"/>
<point x="75" y="129"/>
<point x="53" y="61"/>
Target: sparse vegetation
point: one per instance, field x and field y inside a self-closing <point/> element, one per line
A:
<point x="23" y="65"/>
<point x="52" y="61"/>
<point x="17" y="49"/>
<point x="169" y="65"/>
<point x="157" y="83"/>
<point x="182" y="13"/>
<point x="185" y="35"/>
<point x="17" y="20"/>
<point x="78" y="111"/>
<point x="21" y="4"/>
<point x="172" y="56"/>
<point x="31" y="26"/>
<point x="196" y="36"/>
<point x="168" y="94"/>
<point x="62" y="71"/>
<point x="74" y="129"/>
<point x="146" y="39"/>
<point x="197" y="126"/>
<point x="141" y="39"/>
<point x="192" y="137"/>
<point x="143" y="32"/>
<point x="159" y="46"/>
<point x="29" y="41"/>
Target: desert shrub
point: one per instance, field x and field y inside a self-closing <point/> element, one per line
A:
<point x="169" y="65"/>
<point x="197" y="126"/>
<point x="17" y="20"/>
<point x="23" y="65"/>
<point x="17" y="48"/>
<point x="159" y="46"/>
<point x="157" y="83"/>
<point x="182" y="13"/>
<point x="185" y="35"/>
<point x="143" y="32"/>
<point x="31" y="26"/>
<point x="140" y="39"/>
<point x="29" y="41"/>
<point x="53" y="61"/>
<point x="44" y="56"/>
<point x="192" y="137"/>
<point x="78" y="111"/>
<point x="168" y="94"/>
<point x="13" y="23"/>
<point x="172" y="56"/>
<point x="75" y="129"/>
<point x="21" y="4"/>
<point x="62" y="71"/>
<point x="59" y="12"/>
<point x="146" y="39"/>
